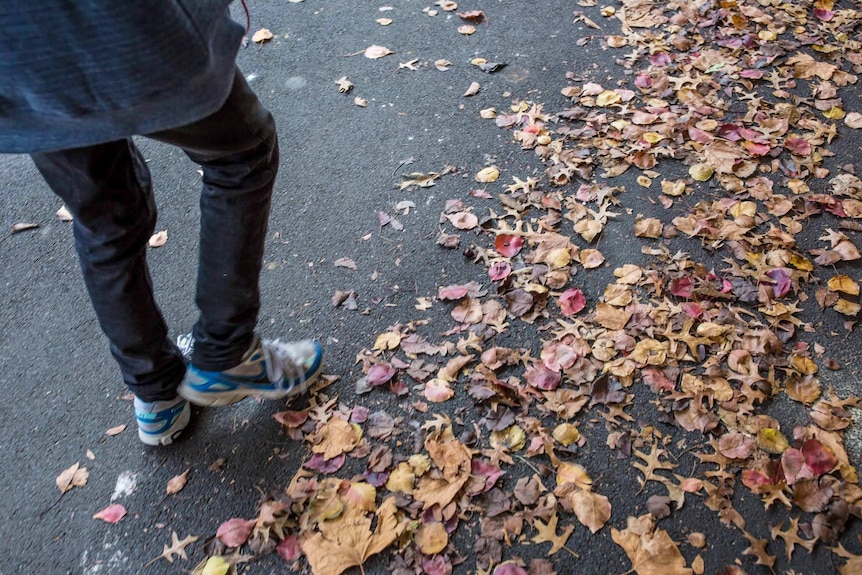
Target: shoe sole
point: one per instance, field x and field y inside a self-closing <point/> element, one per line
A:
<point x="220" y="398"/>
<point x="167" y="439"/>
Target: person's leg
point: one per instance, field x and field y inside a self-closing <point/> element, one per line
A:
<point x="237" y="149"/>
<point x="107" y="189"/>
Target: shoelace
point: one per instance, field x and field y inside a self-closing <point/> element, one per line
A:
<point x="186" y="343"/>
<point x="286" y="360"/>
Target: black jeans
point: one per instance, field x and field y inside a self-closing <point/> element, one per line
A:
<point x="108" y="190"/>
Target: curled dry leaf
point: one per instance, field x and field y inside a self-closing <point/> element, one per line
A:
<point x="463" y="220"/>
<point x="344" y="85"/>
<point x="361" y="102"/>
<point x="158" y="239"/>
<point x="64" y="215"/>
<point x="384" y="21"/>
<point x="20" y="227"/>
<point x="261" y="36"/>
<point x="116" y="430"/>
<point x="374" y="52"/>
<point x="473" y="89"/>
<point x="442" y="64"/>
<point x="74" y="476"/>
<point x="466" y="29"/>
<point x="176" y="483"/>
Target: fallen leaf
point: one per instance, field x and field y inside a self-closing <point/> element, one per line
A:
<point x="473" y="89"/>
<point x="177" y="547"/>
<point x="20" y="227"/>
<point x="487" y="175"/>
<point x="547" y="533"/>
<point x="234" y="532"/>
<point x="651" y="550"/>
<point x="176" y="483"/>
<point x="345" y="263"/>
<point x="261" y="36"/>
<point x="349" y="541"/>
<point x="63" y="214"/>
<point x="74" y="476"/>
<point x="374" y="52"/>
<point x="116" y="430"/>
<point x="344" y="85"/>
<point x="111" y="514"/>
<point x="591" y="509"/>
<point x="158" y="239"/>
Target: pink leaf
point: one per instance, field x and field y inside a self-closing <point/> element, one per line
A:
<point x="799" y="146"/>
<point x="509" y="568"/>
<point x="659" y="59"/>
<point x="781" y="277"/>
<point x="541" y="377"/>
<point x="289" y="548"/>
<point x="111" y="514"/>
<point x="438" y="390"/>
<point x="318" y="463"/>
<point x="692" y="309"/>
<point x="234" y="532"/>
<point x="823" y="14"/>
<point x="753" y="478"/>
<point x="380" y="373"/>
<point x="572" y="301"/>
<point x="793" y="465"/>
<point x="499" y="271"/>
<point x="438" y="565"/>
<point x="291" y="419"/>
<point x="508" y="245"/>
<point x="643" y="81"/>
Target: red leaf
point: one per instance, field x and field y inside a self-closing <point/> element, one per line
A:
<point x="753" y="479"/>
<point x="475" y="16"/>
<point x="823" y="14"/>
<point x="756" y="149"/>
<point x="692" y="309"/>
<point x="509" y="568"/>
<point x="499" y="271"/>
<point x="234" y="532"/>
<point x="289" y="548"/>
<point x="508" y="245"/>
<point x="572" y="301"/>
<point x="818" y="457"/>
<point x="111" y="514"/>
<point x="681" y="287"/>
<point x="380" y="373"/>
<point x="657" y="380"/>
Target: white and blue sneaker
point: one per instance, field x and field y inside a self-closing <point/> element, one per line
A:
<point x="269" y="370"/>
<point x="161" y="422"/>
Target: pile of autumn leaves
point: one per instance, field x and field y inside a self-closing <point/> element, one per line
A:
<point x="709" y="346"/>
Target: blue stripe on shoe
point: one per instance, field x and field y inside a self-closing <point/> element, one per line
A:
<point x="167" y="416"/>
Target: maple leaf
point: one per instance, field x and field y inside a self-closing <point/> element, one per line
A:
<point x="547" y="533"/>
<point x="348" y="541"/>
<point x="177" y="547"/>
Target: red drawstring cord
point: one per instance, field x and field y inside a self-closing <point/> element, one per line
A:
<point x="247" y="17"/>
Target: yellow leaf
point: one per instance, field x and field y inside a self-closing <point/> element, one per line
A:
<point x="673" y="188"/>
<point x="215" y="565"/>
<point x="846" y="307"/>
<point x="652" y="137"/>
<point x="559" y="258"/>
<point x="701" y="172"/>
<point x="387" y="341"/>
<point x="401" y="479"/>
<point x="574" y="474"/>
<point x="512" y="438"/>
<point x="772" y="441"/>
<point x="804" y="365"/>
<point x="566" y="434"/>
<point x="608" y="98"/>
<point x="488" y="175"/>
<point x="843" y="284"/>
<point x="431" y="538"/>
<point x="834" y="113"/>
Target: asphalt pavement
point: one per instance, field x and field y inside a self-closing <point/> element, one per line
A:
<point x="341" y="164"/>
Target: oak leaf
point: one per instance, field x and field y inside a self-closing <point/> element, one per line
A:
<point x="547" y="533"/>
